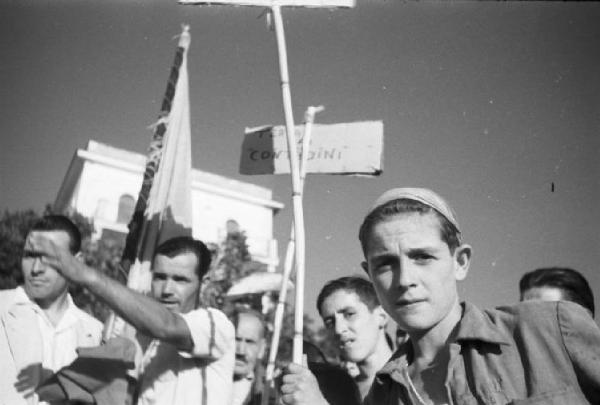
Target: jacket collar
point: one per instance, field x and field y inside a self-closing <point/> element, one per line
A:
<point x="22" y="301"/>
<point x="22" y="333"/>
<point x="474" y="325"/>
<point x="21" y="297"/>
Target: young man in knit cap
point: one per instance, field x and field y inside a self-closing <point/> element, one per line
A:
<point x="534" y="352"/>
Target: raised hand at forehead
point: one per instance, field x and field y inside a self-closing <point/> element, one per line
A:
<point x="51" y="253"/>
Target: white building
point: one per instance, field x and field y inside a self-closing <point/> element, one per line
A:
<point x="102" y="183"/>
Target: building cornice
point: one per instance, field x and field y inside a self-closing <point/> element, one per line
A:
<point x="93" y="157"/>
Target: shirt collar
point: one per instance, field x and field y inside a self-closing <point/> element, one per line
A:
<point x="21" y="297"/>
<point x="476" y="324"/>
<point x="69" y="317"/>
<point x="247" y="377"/>
<point x="398" y="361"/>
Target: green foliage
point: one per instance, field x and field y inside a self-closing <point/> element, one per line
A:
<point x="84" y="224"/>
<point x="231" y="262"/>
<point x="105" y="256"/>
<point x="13" y="230"/>
<point x="102" y="255"/>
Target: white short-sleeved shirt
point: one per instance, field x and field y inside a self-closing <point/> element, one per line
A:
<point x="203" y="376"/>
<point x="36" y="343"/>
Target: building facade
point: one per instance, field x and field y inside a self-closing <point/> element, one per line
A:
<point x="102" y="183"/>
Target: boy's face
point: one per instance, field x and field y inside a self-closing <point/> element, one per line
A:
<point x="356" y="329"/>
<point x="414" y="272"/>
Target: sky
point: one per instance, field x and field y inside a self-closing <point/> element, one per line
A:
<point x="494" y="105"/>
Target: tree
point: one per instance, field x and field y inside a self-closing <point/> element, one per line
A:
<point x="13" y="230"/>
<point x="103" y="255"/>
<point x="231" y="262"/>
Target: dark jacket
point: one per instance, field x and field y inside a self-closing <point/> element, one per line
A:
<point x="531" y="353"/>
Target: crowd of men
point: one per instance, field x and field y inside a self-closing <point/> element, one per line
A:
<point x="543" y="350"/>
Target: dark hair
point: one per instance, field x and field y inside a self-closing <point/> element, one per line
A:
<point x="238" y="311"/>
<point x="449" y="234"/>
<point x="313" y="353"/>
<point x="186" y="244"/>
<point x="53" y="223"/>
<point x="572" y="284"/>
<point x="358" y="285"/>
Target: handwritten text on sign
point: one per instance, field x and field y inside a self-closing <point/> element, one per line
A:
<point x="348" y="148"/>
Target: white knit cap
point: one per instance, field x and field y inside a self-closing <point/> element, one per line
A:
<point x="422" y="195"/>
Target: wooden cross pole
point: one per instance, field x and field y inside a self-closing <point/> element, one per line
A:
<point x="287" y="268"/>
<point x="275" y="6"/>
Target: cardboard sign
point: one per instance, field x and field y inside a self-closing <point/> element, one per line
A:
<point x="348" y="148"/>
<point x="271" y="3"/>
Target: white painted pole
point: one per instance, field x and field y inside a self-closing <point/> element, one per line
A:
<point x="278" y="321"/>
<point x="309" y="118"/>
<point x="289" y="258"/>
<point x="296" y="188"/>
<point x="275" y="6"/>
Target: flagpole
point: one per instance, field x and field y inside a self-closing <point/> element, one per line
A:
<point x="288" y="263"/>
<point x="137" y="225"/>
<point x="153" y="161"/>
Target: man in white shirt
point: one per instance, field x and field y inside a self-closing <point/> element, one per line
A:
<point x="188" y="350"/>
<point x="40" y="326"/>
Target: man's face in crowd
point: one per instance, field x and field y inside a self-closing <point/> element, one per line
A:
<point x="249" y="344"/>
<point x="175" y="282"/>
<point x="43" y="283"/>
<point x="413" y="271"/>
<point x="543" y="293"/>
<point x="356" y="329"/>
